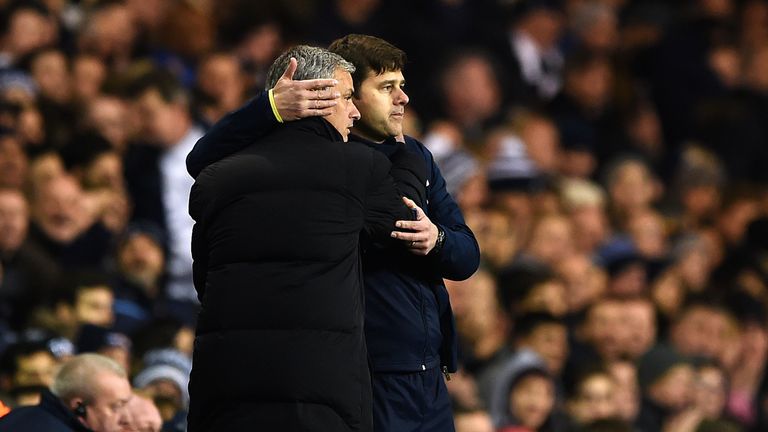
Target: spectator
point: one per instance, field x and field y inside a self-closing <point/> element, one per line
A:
<point x="591" y="396"/>
<point x="144" y="416"/>
<point x="90" y="392"/>
<point x="666" y="380"/>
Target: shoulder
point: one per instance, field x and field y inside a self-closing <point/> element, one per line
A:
<point x="417" y="146"/>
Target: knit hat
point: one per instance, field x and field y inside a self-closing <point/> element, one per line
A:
<point x="457" y="167"/>
<point x="655" y="363"/>
<point x="166" y="364"/>
<point x="512" y="169"/>
<point x="92" y="338"/>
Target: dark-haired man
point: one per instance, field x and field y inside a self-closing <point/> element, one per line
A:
<point x="408" y="320"/>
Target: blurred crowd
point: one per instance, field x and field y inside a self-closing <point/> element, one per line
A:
<point x="610" y="156"/>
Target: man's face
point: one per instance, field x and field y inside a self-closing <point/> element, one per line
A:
<point x="595" y="399"/>
<point x="94" y="306"/>
<point x="141" y="260"/>
<point x="345" y="112"/>
<point x="56" y="207"/>
<point x="158" y="117"/>
<point x="550" y="341"/>
<point x="13" y="163"/>
<point x="381" y="101"/>
<point x="145" y="416"/>
<point x="35" y="369"/>
<point x="108" y="411"/>
<point x="531" y="401"/>
<point x="13" y="220"/>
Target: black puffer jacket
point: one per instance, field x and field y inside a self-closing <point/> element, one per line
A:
<point x="279" y="341"/>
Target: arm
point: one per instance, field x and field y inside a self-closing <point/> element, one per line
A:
<point x="459" y="255"/>
<point x="288" y="100"/>
<point x="383" y="203"/>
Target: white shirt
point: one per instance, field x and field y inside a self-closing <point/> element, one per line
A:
<point x="532" y="61"/>
<point x="176" y="186"/>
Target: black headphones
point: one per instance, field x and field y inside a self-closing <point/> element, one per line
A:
<point x="80" y="410"/>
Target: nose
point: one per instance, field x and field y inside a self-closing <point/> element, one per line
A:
<point x="354" y="114"/>
<point x="401" y="98"/>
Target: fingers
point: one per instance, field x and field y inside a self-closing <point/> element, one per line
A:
<point x="412" y="225"/>
<point x="290" y="70"/>
<point x="326" y="88"/>
<point x="412" y="205"/>
<point x="410" y="237"/>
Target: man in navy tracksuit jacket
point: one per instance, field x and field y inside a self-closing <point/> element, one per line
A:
<point x="408" y="324"/>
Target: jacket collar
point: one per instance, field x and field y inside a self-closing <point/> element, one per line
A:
<point x="315" y="125"/>
<point x="54" y="406"/>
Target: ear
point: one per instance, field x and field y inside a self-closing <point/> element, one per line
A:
<point x="74" y="403"/>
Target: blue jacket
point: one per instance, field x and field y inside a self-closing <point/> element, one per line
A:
<point x="408" y="323"/>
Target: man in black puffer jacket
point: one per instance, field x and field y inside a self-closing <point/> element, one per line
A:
<point x="279" y="342"/>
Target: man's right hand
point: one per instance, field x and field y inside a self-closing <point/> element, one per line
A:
<point x="299" y="99"/>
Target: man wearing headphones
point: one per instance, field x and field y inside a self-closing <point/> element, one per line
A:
<point x="89" y="394"/>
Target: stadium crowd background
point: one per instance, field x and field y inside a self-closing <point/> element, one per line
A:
<point x="611" y="157"/>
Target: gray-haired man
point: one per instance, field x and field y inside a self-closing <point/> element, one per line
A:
<point x="276" y="250"/>
<point x="89" y="393"/>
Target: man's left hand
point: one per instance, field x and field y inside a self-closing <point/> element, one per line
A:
<point x="421" y="234"/>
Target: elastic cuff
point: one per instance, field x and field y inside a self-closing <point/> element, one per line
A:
<point x="274" y="107"/>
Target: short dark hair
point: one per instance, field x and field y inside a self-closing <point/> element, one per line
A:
<point x="527" y="323"/>
<point x="166" y="84"/>
<point x="368" y="54"/>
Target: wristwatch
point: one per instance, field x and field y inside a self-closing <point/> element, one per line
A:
<point x="439" y="242"/>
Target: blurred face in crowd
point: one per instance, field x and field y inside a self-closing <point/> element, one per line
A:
<point x="550" y="342"/>
<point x="629" y="280"/>
<point x="594" y="400"/>
<point x="648" y="234"/>
<point x="13" y="162"/>
<point x="141" y="259"/>
<point x="496" y="236"/>
<point x="551" y="240"/>
<point x="107" y="410"/>
<point x="542" y="143"/>
<point x="632" y="188"/>
<point x="164" y="122"/>
<point x="109" y="32"/>
<point x="107" y="115"/>
<point x="590" y="227"/>
<point x="471" y="91"/>
<point x="733" y="220"/>
<point x="702" y="330"/>
<point x="640" y="318"/>
<point x="219" y="76"/>
<point x="604" y="329"/>
<point x="584" y="281"/>
<point x="56" y="208"/>
<point x="548" y="296"/>
<point x="694" y="266"/>
<point x="144" y="416"/>
<point x="13" y="220"/>
<point x="88" y="73"/>
<point x="345" y="112"/>
<point x="37" y="368"/>
<point x="477" y="421"/>
<point x="27" y="31"/>
<point x="51" y="72"/>
<point x="381" y="100"/>
<point x="626" y="391"/>
<point x="474" y="305"/>
<point x="591" y="86"/>
<point x="93" y="305"/>
<point x="544" y="26"/>
<point x="710" y="391"/>
<point x="531" y="400"/>
<point x="674" y="389"/>
<point x="106" y="171"/>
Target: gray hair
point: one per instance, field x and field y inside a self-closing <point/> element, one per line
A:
<point x="313" y="63"/>
<point x="77" y="376"/>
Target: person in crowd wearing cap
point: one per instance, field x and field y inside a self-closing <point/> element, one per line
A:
<point x="409" y="324"/>
<point x="666" y="380"/>
<point x="89" y="394"/>
<point x="523" y="397"/>
<point x="165" y="378"/>
<point x="101" y="340"/>
<point x="537" y="332"/>
<point x="277" y="267"/>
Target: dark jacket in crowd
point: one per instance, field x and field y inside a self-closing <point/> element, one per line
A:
<point x="409" y="323"/>
<point x="276" y="245"/>
<point x="50" y="415"/>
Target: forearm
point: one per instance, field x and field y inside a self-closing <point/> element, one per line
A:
<point x="233" y="132"/>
